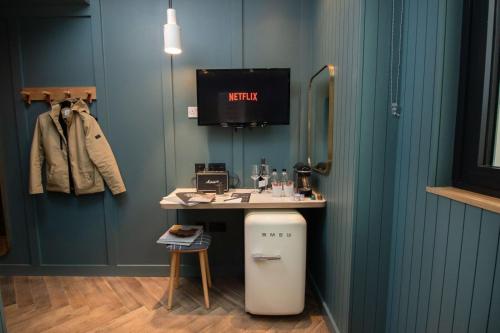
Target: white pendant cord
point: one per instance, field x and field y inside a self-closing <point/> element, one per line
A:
<point x="394" y="95"/>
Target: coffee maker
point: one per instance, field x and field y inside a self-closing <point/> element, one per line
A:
<point x="302" y="179"/>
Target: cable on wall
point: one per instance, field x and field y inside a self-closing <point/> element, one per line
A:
<point x="395" y="64"/>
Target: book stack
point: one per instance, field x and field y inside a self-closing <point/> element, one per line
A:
<point x="195" y="197"/>
<point x="183" y="235"/>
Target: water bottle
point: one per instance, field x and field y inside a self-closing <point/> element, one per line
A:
<point x="284" y="177"/>
<point x="287" y="184"/>
<point x="275" y="184"/>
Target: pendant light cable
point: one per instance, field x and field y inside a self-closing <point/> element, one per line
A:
<point x="394" y="91"/>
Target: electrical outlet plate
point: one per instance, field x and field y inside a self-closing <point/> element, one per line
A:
<point x="192" y="112"/>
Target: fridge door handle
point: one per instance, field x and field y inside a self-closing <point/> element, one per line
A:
<point x="261" y="257"/>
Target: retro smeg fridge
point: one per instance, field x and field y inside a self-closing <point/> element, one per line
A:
<point x="275" y="261"/>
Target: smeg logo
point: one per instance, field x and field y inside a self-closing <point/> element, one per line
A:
<point x="276" y="234"/>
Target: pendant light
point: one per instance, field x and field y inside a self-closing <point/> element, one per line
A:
<point x="172" y="33"/>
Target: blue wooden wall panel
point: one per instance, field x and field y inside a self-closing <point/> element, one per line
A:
<point x="485" y="269"/>
<point x="135" y="126"/>
<point x="494" y="315"/>
<point x="50" y="51"/>
<point x="336" y="30"/>
<point x="450" y="280"/>
<point x="425" y="274"/>
<point x="467" y="271"/>
<point x="206" y="44"/>
<point x="43" y="63"/>
<point x="71" y="230"/>
<point x="274" y="42"/>
<point x="12" y="191"/>
<point x="438" y="264"/>
<point x="443" y="262"/>
<point x="355" y="37"/>
<point x="423" y="170"/>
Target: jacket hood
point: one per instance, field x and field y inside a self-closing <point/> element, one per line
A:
<point x="77" y="104"/>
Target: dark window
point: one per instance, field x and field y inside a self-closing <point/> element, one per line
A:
<point x="477" y="136"/>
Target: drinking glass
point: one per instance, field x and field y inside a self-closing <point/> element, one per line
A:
<point x="254" y="174"/>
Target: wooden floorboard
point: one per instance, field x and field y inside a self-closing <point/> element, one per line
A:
<point x="138" y="304"/>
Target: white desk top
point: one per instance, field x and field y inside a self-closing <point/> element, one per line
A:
<point x="257" y="200"/>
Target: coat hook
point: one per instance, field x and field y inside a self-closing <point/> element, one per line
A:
<point x="89" y="96"/>
<point x="48" y="96"/>
<point x="67" y="94"/>
<point x="26" y="96"/>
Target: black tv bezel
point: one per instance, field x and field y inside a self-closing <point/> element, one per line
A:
<point x="248" y="124"/>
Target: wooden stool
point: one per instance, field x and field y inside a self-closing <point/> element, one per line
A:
<point x="200" y="246"/>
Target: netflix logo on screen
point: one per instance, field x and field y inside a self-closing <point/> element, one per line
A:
<point x="242" y="96"/>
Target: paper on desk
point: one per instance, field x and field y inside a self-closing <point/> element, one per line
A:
<point x="235" y="200"/>
<point x="176" y="200"/>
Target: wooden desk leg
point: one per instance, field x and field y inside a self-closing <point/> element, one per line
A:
<point x="177" y="271"/>
<point x="207" y="264"/>
<point x="173" y="266"/>
<point x="204" y="277"/>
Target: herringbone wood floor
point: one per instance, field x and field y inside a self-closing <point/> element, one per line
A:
<point x="138" y="304"/>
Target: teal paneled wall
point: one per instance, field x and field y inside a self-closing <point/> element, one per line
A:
<point x="143" y="96"/>
<point x="350" y="251"/>
<point x="375" y="172"/>
<point x="445" y="275"/>
<point x="14" y="203"/>
<point x="336" y="39"/>
<point x="134" y="88"/>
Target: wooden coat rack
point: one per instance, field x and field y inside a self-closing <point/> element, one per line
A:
<point x="50" y="94"/>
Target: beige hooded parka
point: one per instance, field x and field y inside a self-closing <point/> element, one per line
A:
<point x="75" y="151"/>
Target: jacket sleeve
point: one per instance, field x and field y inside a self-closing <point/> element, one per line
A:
<point x="37" y="157"/>
<point x="102" y="156"/>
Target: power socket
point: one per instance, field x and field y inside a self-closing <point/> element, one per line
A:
<point x="192" y="112"/>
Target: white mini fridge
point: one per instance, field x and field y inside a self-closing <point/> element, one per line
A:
<point x="275" y="261"/>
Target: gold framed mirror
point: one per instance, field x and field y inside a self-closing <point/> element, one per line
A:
<point x="325" y="166"/>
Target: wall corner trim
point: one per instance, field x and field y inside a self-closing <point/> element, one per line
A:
<point x="482" y="201"/>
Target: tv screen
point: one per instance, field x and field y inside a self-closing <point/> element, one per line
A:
<point x="243" y="97"/>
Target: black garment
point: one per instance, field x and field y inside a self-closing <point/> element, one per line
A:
<point x="64" y="127"/>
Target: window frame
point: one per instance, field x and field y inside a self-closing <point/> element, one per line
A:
<point x="477" y="103"/>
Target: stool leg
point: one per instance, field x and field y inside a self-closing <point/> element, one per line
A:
<point x="204" y="278"/>
<point x="207" y="264"/>
<point x="177" y="271"/>
<point x="173" y="266"/>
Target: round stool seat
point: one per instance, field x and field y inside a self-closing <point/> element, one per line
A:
<point x="199" y="244"/>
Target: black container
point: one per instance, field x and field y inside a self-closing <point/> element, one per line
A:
<point x="302" y="179"/>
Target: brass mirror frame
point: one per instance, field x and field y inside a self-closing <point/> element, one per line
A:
<point x="322" y="168"/>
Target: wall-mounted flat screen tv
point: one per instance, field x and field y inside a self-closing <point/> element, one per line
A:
<point x="243" y="97"/>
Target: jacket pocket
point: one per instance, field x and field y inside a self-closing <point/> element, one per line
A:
<point x="50" y="175"/>
<point x="86" y="179"/>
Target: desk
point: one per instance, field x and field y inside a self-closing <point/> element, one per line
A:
<point x="257" y="200"/>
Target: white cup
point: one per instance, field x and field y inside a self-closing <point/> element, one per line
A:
<point x="277" y="189"/>
<point x="288" y="189"/>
